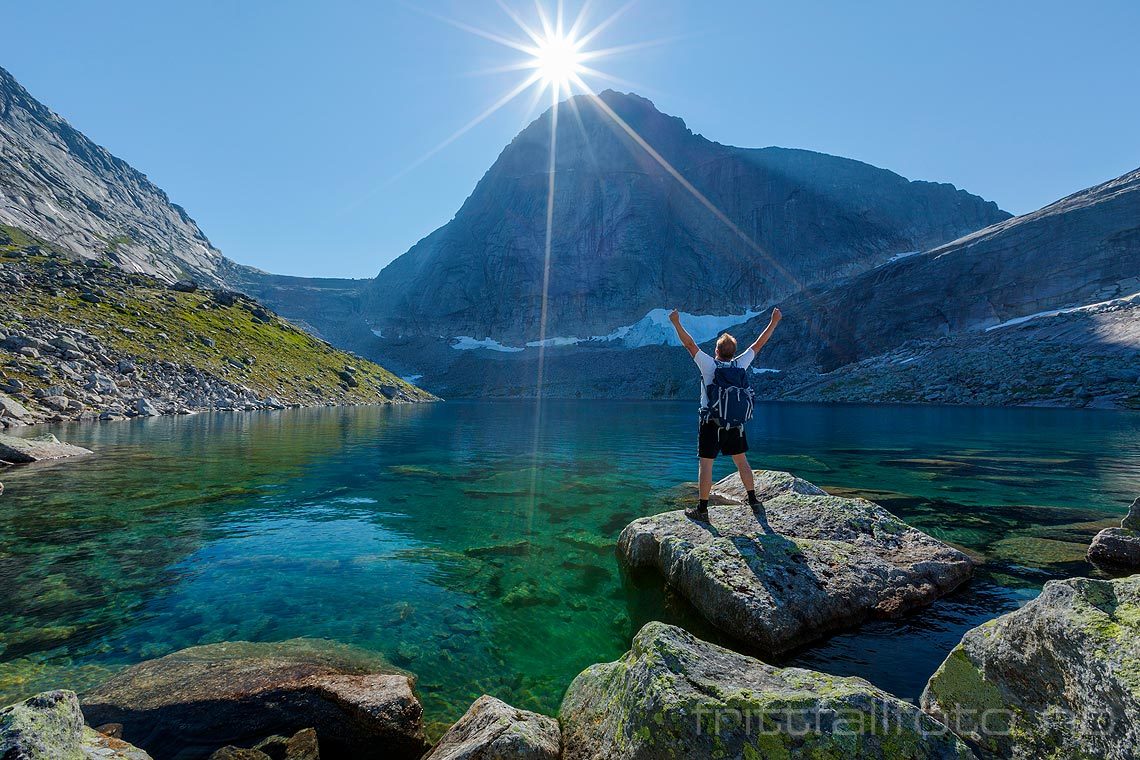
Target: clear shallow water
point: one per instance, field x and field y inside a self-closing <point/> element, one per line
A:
<point x="438" y="537"/>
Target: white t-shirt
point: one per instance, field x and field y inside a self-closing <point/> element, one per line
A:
<point x="707" y="365"/>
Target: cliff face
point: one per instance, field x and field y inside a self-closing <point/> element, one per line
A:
<point x="59" y="186"/>
<point x="1083" y="249"/>
<point x="628" y="237"/>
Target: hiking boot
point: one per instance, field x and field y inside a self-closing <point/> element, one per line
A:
<point x="698" y="514"/>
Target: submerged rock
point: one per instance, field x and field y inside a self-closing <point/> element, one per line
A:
<point x="1058" y="678"/>
<point x="196" y="701"/>
<point x="49" y="726"/>
<point x="493" y="730"/>
<point x="1119" y="546"/>
<point x="810" y="564"/>
<point x="675" y="696"/>
<point x="36" y="449"/>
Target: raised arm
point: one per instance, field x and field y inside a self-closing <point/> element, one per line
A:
<point x="771" y="328"/>
<point x="686" y="339"/>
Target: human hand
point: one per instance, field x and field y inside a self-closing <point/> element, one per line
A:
<point x="674" y="316"/>
<point x="776" y="316"/>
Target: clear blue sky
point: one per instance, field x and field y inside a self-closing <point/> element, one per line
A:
<point x="280" y="124"/>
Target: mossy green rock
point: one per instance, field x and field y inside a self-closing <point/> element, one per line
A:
<point x="493" y="730"/>
<point x="49" y="726"/>
<point x="1059" y="679"/>
<point x="675" y="696"/>
<point x="811" y="564"/>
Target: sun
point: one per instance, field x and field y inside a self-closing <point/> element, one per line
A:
<point x="558" y="60"/>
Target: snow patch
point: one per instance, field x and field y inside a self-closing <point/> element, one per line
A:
<point x="467" y="343"/>
<point x="765" y="370"/>
<point x="903" y="255"/>
<point x="1059" y="312"/>
<point x="413" y="379"/>
<point x="655" y="329"/>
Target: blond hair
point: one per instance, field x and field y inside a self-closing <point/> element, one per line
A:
<point x="725" y="347"/>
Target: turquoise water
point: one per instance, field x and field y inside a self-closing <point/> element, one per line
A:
<point x="452" y="541"/>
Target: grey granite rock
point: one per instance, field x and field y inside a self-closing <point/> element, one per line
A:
<point x="675" y="696"/>
<point x="193" y="702"/>
<point x="1058" y="678"/>
<point x="493" y="730"/>
<point x="36" y="449"/>
<point x="809" y="565"/>
<point x="1119" y="547"/>
<point x="49" y="726"/>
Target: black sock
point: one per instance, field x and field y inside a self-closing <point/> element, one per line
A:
<point x="752" y="497"/>
<point x="703" y="505"/>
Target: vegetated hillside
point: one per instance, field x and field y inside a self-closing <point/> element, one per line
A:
<point x="60" y="186"/>
<point x="628" y="237"/>
<point x="81" y="339"/>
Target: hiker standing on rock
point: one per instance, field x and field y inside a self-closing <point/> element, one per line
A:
<point x="726" y="404"/>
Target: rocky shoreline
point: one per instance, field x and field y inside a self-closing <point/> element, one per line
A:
<point x="1056" y="678"/>
<point x="82" y="341"/>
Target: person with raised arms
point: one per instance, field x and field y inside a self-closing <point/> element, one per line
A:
<point x="726" y="405"/>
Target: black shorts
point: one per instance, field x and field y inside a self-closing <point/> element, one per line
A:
<point x="712" y="439"/>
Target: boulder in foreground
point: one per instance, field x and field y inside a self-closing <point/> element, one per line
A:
<point x="811" y="564"/>
<point x="493" y="730"/>
<point x="188" y="704"/>
<point x="49" y="726"/>
<point x="36" y="449"/>
<point x="1058" y="678"/>
<point x="1119" y="546"/>
<point x="675" y="696"/>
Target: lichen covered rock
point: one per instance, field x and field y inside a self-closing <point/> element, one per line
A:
<point x="493" y="730"/>
<point x="196" y="701"/>
<point x="49" y="726"/>
<point x="675" y="696"/>
<point x="812" y="563"/>
<point x="1058" y="678"/>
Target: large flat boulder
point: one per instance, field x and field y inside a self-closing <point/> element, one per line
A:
<point x="49" y="726"/>
<point x="188" y="704"/>
<point x="1119" y="547"/>
<point x="811" y="564"/>
<point x="1058" y="678"/>
<point x="493" y="730"/>
<point x="675" y="696"/>
<point x="36" y="449"/>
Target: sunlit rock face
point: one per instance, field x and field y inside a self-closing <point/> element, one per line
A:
<point x="628" y="237"/>
<point x="58" y="185"/>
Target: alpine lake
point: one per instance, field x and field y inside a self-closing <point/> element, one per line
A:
<point x="472" y="543"/>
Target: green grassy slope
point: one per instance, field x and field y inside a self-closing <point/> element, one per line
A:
<point x="138" y="318"/>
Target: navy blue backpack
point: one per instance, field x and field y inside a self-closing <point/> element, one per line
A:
<point x="730" y="396"/>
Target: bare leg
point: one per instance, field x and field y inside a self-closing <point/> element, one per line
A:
<point x="705" y="482"/>
<point x="745" y="470"/>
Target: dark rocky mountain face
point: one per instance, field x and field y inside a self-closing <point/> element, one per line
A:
<point x="628" y="237"/>
<point x="64" y="189"/>
<point x="1083" y="249"/>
